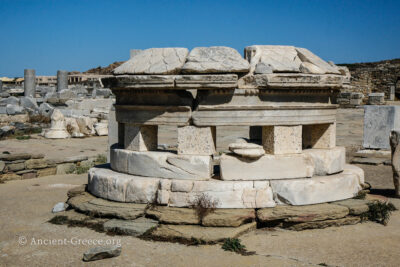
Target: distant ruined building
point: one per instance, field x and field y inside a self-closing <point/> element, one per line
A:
<point x="374" y="77"/>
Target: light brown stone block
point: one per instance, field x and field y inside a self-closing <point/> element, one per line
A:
<point x="282" y="139"/>
<point x="319" y="136"/>
<point x="140" y="138"/>
<point x="194" y="140"/>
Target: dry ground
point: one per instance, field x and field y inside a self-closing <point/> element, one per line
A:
<point x="25" y="208"/>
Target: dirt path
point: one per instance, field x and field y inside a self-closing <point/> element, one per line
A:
<point x="26" y="205"/>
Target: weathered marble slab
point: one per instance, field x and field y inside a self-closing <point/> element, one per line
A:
<point x="318" y="189"/>
<point x="215" y="59"/>
<point x="155" y="61"/>
<point x="263" y="115"/>
<point x="272" y="58"/>
<point x="267" y="167"/>
<point x="277" y="58"/>
<point x="311" y="63"/>
<point x="161" y="164"/>
<point x="153" y="115"/>
<point x="206" y="81"/>
<point x="378" y="122"/>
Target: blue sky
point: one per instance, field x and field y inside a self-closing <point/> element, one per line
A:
<point x="79" y="35"/>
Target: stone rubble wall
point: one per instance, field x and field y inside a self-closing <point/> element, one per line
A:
<point x="374" y="77"/>
<point x="27" y="166"/>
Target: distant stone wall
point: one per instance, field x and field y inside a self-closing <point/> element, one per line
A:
<point x="375" y="77"/>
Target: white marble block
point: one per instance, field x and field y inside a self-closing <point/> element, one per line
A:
<point x="319" y="136"/>
<point x="161" y="164"/>
<point x="268" y="167"/>
<point x="327" y="161"/>
<point x="318" y="189"/>
<point x="282" y="139"/>
<point x="194" y="140"/>
<point x="140" y="138"/>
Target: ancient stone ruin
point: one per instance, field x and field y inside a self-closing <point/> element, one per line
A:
<point x="283" y="93"/>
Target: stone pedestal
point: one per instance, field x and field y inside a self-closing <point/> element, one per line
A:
<point x="29" y="82"/>
<point x="194" y="140"/>
<point x="282" y="139"/>
<point x="140" y="138"/>
<point x="62" y="80"/>
<point x="58" y="129"/>
<point x="319" y="136"/>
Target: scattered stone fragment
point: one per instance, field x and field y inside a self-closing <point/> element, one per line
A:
<point x="99" y="253"/>
<point x="247" y="150"/>
<point x="136" y="227"/>
<point x="60" y="206"/>
<point x="308" y="213"/>
<point x="199" y="233"/>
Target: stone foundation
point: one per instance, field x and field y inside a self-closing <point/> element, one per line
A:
<point x="116" y="186"/>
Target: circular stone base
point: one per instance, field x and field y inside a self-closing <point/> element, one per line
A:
<point x="108" y="184"/>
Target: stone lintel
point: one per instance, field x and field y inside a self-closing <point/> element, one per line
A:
<point x="140" y="81"/>
<point x="263" y="115"/>
<point x="153" y="115"/>
<point x="206" y="81"/>
<point x="282" y="139"/>
<point x="291" y="80"/>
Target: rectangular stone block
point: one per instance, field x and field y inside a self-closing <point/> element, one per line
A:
<point x="376" y="98"/>
<point x="194" y="140"/>
<point x="319" y="136"/>
<point x="168" y="165"/>
<point x="327" y="161"/>
<point x="267" y="167"/>
<point x="282" y="139"/>
<point x="316" y="190"/>
<point x="140" y="138"/>
<point x="378" y="122"/>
